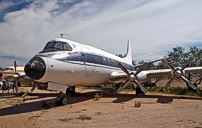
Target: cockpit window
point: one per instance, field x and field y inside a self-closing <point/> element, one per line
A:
<point x="49" y="45"/>
<point x="65" y="47"/>
<point x="57" y="46"/>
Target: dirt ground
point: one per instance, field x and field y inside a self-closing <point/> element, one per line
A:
<point x="112" y="110"/>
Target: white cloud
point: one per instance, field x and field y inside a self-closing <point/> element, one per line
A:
<point x="154" y="27"/>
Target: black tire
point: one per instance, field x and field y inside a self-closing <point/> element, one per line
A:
<point x="70" y="91"/>
<point x="139" y="91"/>
<point x="60" y="101"/>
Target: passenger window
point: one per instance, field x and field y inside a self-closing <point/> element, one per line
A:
<point x="103" y="60"/>
<point x="108" y="62"/>
<point x="112" y="63"/>
<point x="97" y="59"/>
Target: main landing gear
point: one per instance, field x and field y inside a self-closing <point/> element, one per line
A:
<point x="139" y="91"/>
<point x="63" y="99"/>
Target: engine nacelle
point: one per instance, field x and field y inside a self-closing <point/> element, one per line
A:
<point x="142" y="76"/>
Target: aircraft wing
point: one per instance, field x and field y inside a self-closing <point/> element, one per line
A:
<point x="193" y="69"/>
<point x="11" y="76"/>
<point x="139" y="65"/>
<point x="117" y="77"/>
<point x="145" y="74"/>
<point x="154" y="73"/>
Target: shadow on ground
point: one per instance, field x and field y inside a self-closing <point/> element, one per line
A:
<point x="80" y="97"/>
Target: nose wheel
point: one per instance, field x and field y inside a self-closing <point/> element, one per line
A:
<point x="63" y="99"/>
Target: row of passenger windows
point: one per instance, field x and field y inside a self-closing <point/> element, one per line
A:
<point x="96" y="59"/>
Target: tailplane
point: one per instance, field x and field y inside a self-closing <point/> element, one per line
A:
<point x="128" y="57"/>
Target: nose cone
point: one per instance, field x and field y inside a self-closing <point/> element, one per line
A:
<point x="35" y="68"/>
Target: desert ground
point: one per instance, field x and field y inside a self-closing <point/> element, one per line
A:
<point x="112" y="110"/>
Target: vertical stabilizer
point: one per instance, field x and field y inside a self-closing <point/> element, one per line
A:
<point x="128" y="57"/>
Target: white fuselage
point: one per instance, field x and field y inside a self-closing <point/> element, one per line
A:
<point x="81" y="66"/>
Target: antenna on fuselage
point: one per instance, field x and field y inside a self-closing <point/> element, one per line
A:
<point x="62" y="34"/>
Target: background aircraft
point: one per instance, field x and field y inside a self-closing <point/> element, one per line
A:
<point x="12" y="74"/>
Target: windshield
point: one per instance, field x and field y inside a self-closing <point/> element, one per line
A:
<point x="57" y="45"/>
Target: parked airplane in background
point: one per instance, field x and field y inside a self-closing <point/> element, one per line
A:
<point x="8" y="72"/>
<point x="12" y="73"/>
<point x="64" y="64"/>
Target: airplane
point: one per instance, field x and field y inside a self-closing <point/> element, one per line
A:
<point x="11" y="74"/>
<point x="8" y="72"/>
<point x="64" y="64"/>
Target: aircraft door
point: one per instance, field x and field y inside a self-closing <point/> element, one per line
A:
<point x="89" y="62"/>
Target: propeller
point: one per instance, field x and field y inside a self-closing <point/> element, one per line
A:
<point x="178" y="73"/>
<point x="132" y="77"/>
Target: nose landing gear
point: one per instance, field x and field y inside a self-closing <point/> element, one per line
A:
<point x="63" y="99"/>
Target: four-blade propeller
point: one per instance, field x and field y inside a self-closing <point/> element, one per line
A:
<point x="132" y="77"/>
<point x="178" y="73"/>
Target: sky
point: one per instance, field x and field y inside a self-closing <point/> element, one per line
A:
<point x="154" y="27"/>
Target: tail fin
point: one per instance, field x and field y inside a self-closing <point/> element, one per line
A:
<point x="128" y="57"/>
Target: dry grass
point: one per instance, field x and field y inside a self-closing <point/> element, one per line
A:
<point x="84" y="117"/>
<point x="66" y="119"/>
<point x="137" y="104"/>
<point x="97" y="97"/>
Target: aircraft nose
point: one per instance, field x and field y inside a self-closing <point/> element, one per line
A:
<point x="35" y="68"/>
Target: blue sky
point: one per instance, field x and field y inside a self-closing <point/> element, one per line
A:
<point x="153" y="26"/>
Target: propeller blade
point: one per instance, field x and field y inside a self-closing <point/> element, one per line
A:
<point x="168" y="83"/>
<point x="188" y="83"/>
<point x="123" y="68"/>
<point x="188" y="62"/>
<point x="124" y="86"/>
<point x="141" y="68"/>
<point x="141" y="87"/>
<point x="168" y="65"/>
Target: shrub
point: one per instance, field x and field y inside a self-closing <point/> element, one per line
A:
<point x="137" y="104"/>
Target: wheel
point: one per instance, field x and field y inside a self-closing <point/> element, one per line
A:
<point x="64" y="100"/>
<point x="61" y="100"/>
<point x="139" y="91"/>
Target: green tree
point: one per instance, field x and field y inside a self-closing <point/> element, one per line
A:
<point x="178" y="57"/>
